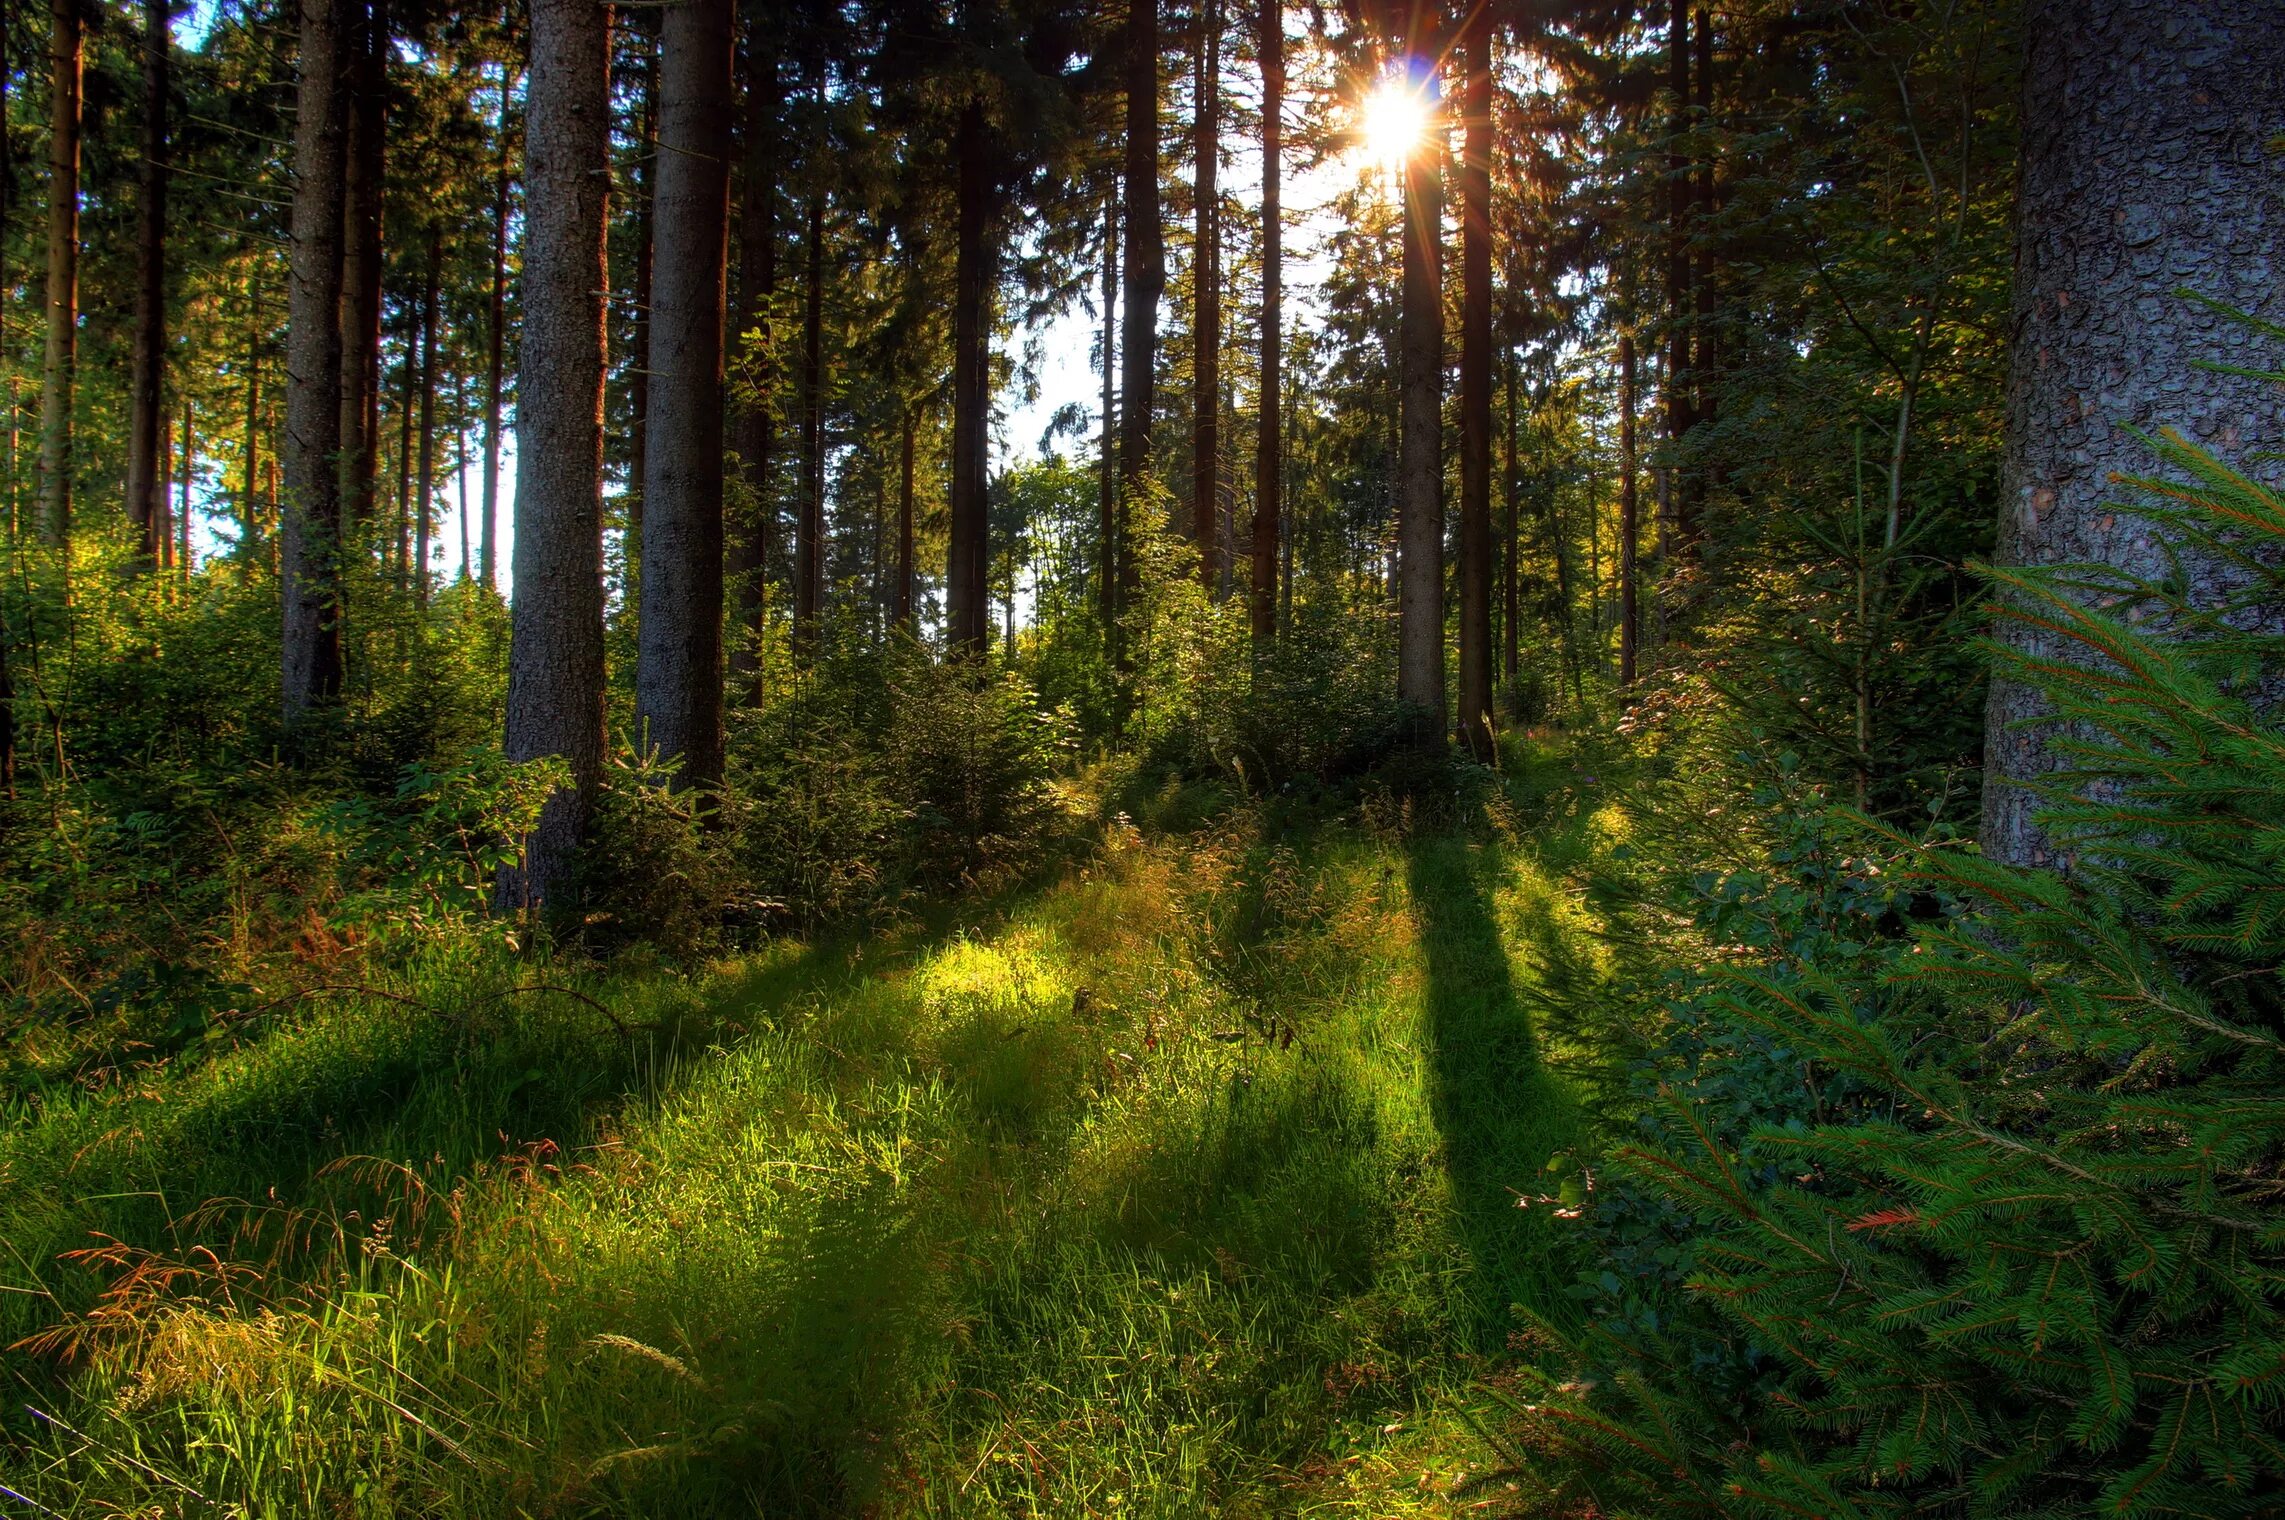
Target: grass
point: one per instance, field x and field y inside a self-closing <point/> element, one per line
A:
<point x="1183" y="1184"/>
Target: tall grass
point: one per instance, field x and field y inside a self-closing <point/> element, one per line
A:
<point x="1183" y="1185"/>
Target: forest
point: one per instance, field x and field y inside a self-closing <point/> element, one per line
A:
<point x="1160" y="758"/>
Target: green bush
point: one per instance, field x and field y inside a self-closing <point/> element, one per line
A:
<point x="2026" y="1266"/>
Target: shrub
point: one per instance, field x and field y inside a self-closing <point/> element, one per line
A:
<point x="2026" y="1266"/>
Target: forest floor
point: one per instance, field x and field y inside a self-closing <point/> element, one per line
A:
<point x="1185" y="1181"/>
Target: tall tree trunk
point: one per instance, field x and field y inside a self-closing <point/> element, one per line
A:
<point x="1703" y="359"/>
<point x="146" y="482"/>
<point x="755" y="527"/>
<point x="555" y="641"/>
<point x="809" y="526"/>
<point x="158" y="528"/>
<point x="249" y="499"/>
<point x="1206" y="296"/>
<point x="967" y="552"/>
<point x="1476" y="391"/>
<point x="1629" y="524"/>
<point x="1420" y="462"/>
<point x="1146" y="282"/>
<point x="1679" y="301"/>
<point x="1511" y="620"/>
<point x="907" y="612"/>
<point x="365" y="44"/>
<point x="182" y="555"/>
<point x="1107" y="526"/>
<point x="310" y="553"/>
<point x="1269" y="447"/>
<point x="2145" y="166"/>
<point x="495" y="347"/>
<point x="678" y="674"/>
<point x="408" y="401"/>
<point x="62" y="295"/>
<point x="639" y="347"/>
<point x="424" y="514"/>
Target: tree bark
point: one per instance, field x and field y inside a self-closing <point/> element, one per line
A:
<point x="555" y="650"/>
<point x="2145" y="168"/>
<point x="907" y="610"/>
<point x="62" y="296"/>
<point x="1206" y="297"/>
<point x="1269" y="447"/>
<point x="1679" y="301"/>
<point x="1107" y="527"/>
<point x="1629" y="508"/>
<point x="364" y="43"/>
<point x="249" y="499"/>
<point x="1420" y="463"/>
<point x="678" y="675"/>
<point x="1145" y="282"/>
<point x="310" y="551"/>
<point x="424" y="511"/>
<point x="749" y="554"/>
<point x="968" y="551"/>
<point x="146" y="413"/>
<point x="809" y="525"/>
<point x="495" y="354"/>
<point x="159" y="530"/>
<point x="408" y="402"/>
<point x="181" y="557"/>
<point x="1511" y="620"/>
<point x="1475" y="721"/>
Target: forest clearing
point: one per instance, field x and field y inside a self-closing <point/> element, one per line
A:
<point x="1142" y="758"/>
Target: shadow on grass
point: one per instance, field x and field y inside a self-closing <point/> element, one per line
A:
<point x="1500" y="1112"/>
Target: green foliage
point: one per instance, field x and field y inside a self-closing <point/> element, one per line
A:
<point x="2022" y="1266"/>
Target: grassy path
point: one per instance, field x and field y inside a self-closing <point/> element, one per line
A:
<point x="1182" y="1186"/>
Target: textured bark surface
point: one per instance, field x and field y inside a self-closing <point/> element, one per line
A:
<point x="967" y="554"/>
<point x="146" y="384"/>
<point x="1206" y="297"/>
<point x="364" y="43"/>
<point x="1107" y="525"/>
<point x="310" y="533"/>
<point x="62" y="293"/>
<point x="639" y="339"/>
<point x="754" y="525"/>
<point x="809" y="520"/>
<point x="1145" y="255"/>
<point x="424" y="507"/>
<point x="1630" y="527"/>
<point x="555" y="655"/>
<point x="2146" y="167"/>
<point x="1420" y="439"/>
<point x="1475" y="720"/>
<point x="678" y="670"/>
<point x="1678" y="295"/>
<point x="1269" y="446"/>
<point x="495" y="348"/>
<point x="905" y="607"/>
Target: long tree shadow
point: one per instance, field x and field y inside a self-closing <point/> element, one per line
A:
<point x="1501" y="1113"/>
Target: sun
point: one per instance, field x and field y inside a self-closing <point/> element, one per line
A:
<point x="1393" y="121"/>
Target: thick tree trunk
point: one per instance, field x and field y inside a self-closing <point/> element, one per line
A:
<point x="495" y="348"/>
<point x="424" y="511"/>
<point x="968" y="552"/>
<point x="555" y="650"/>
<point x="364" y="43"/>
<point x="1269" y="446"/>
<point x="1206" y="297"/>
<point x="755" y="526"/>
<point x="1107" y="526"/>
<point x="1145" y="282"/>
<point x="809" y="524"/>
<point x="1475" y="722"/>
<point x="1420" y="459"/>
<point x="62" y="295"/>
<point x="678" y="676"/>
<point x="2146" y="166"/>
<point x="310" y="553"/>
<point x="1629" y="526"/>
<point x="146" y="386"/>
<point x="907" y="611"/>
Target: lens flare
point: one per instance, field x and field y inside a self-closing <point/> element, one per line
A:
<point x="1394" y="120"/>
